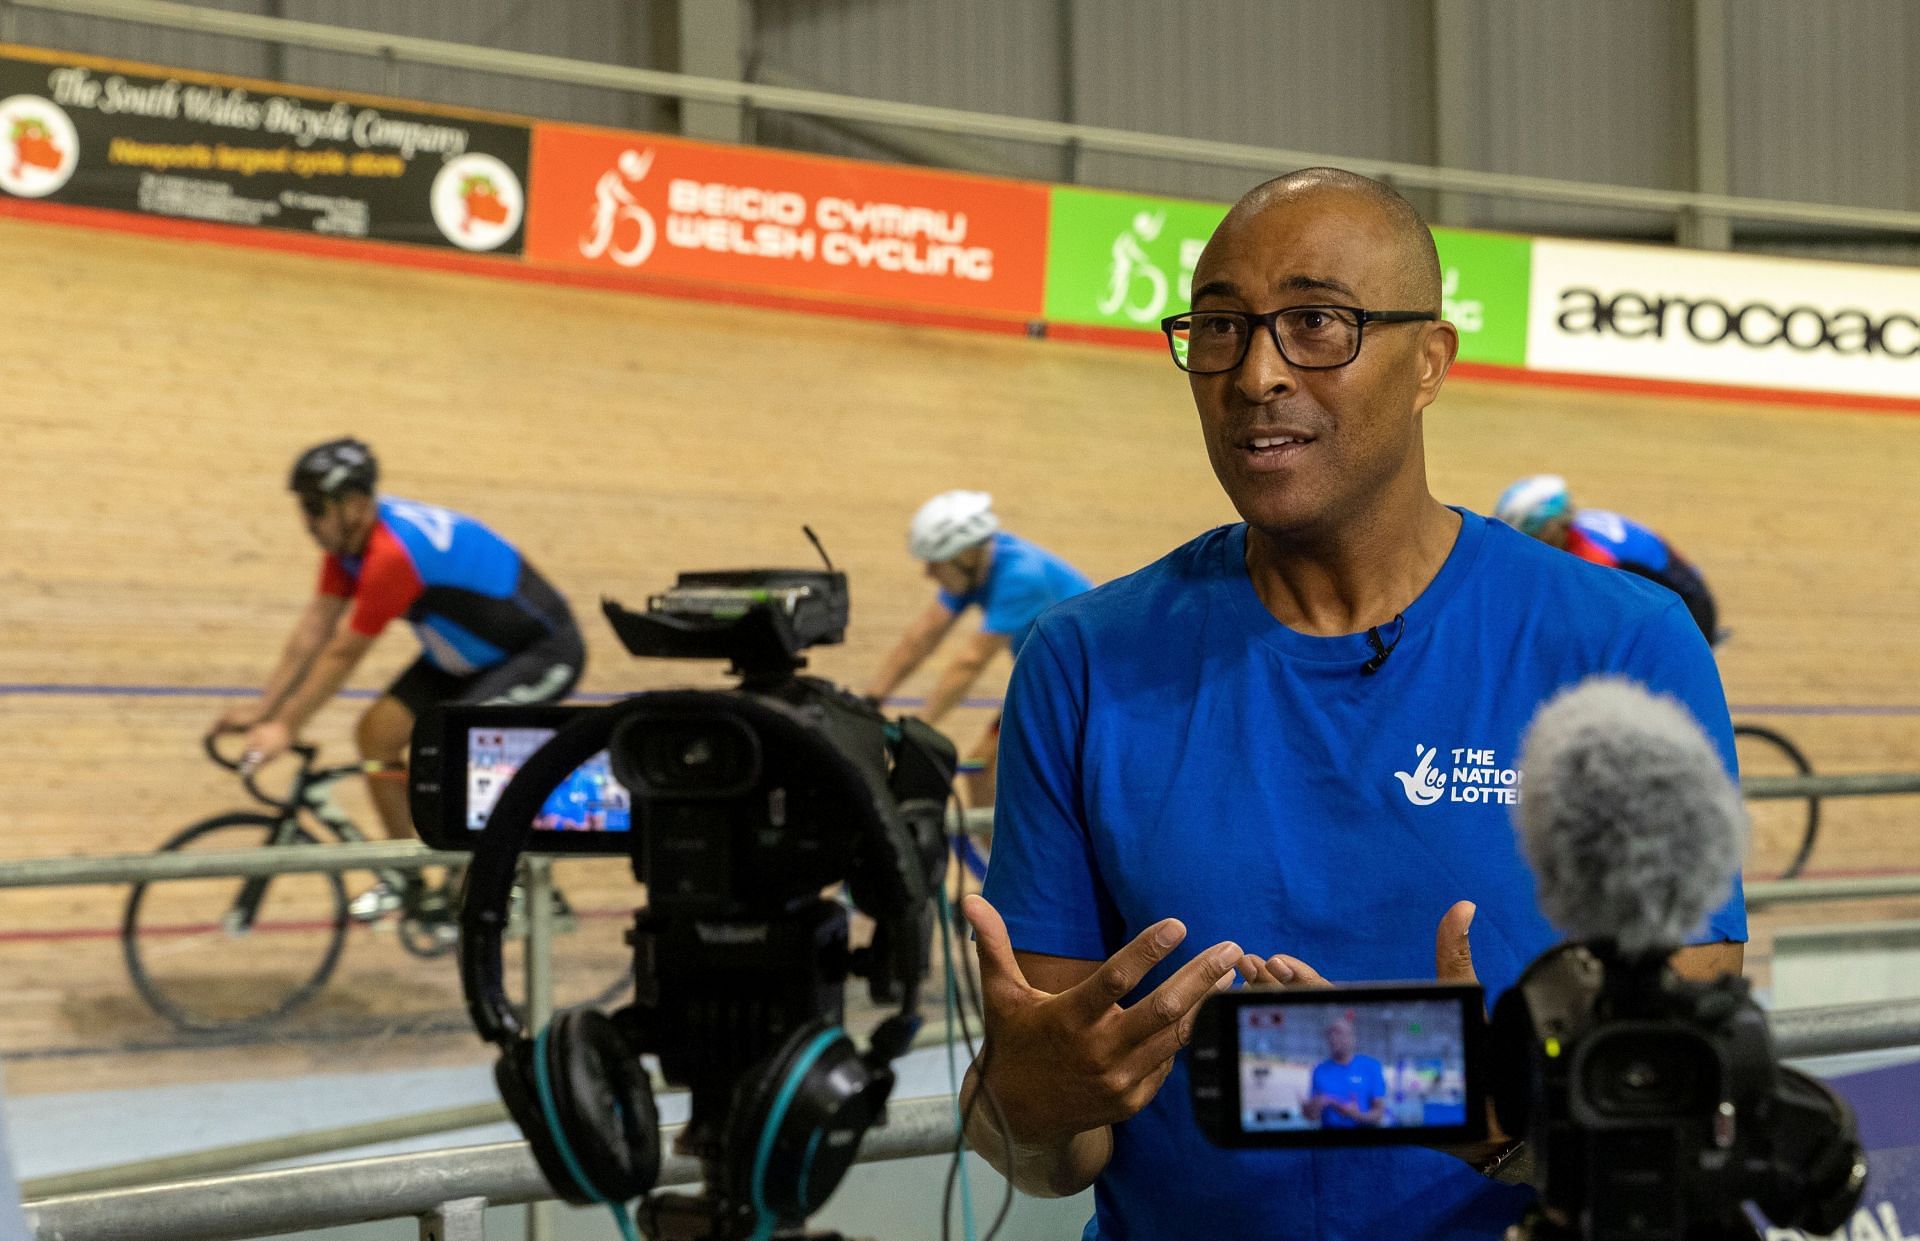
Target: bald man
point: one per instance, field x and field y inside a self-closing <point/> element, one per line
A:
<point x="1287" y="749"/>
<point x="1347" y="1090"/>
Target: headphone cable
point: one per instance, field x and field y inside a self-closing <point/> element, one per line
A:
<point x="957" y="969"/>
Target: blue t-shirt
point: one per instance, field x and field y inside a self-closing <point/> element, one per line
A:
<point x="1171" y="750"/>
<point x="1022" y="581"/>
<point x="1360" y="1081"/>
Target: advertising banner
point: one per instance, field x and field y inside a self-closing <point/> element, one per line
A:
<point x="1126" y="261"/>
<point x="664" y="207"/>
<point x="194" y="147"/>
<point x="1123" y="260"/>
<point x="1886" y="1102"/>
<point x="1483" y="285"/>
<point x="1662" y="313"/>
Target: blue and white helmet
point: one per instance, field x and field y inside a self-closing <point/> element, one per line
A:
<point x="1531" y="503"/>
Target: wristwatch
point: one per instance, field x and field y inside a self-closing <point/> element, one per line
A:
<point x="1512" y="1164"/>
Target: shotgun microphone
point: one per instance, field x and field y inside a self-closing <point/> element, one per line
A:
<point x="1629" y="820"/>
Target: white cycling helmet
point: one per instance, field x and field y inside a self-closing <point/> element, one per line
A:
<point x="950" y="523"/>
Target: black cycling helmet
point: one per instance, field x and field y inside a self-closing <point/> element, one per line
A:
<point x="332" y="469"/>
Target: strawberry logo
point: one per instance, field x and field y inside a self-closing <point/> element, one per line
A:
<point x="33" y="146"/>
<point x="482" y="202"/>
<point x="477" y="202"/>
<point x="39" y="148"/>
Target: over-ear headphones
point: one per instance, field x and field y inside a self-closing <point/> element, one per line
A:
<point x="797" y="1120"/>
<point x="577" y="1090"/>
<point x="584" y="1103"/>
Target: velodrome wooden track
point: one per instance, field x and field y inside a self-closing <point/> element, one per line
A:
<point x="151" y="393"/>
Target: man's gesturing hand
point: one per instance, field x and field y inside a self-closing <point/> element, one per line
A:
<point x="1062" y="1064"/>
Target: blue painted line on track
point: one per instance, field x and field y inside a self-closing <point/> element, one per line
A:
<point x="48" y="689"/>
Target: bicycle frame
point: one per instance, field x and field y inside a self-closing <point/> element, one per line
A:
<point x="309" y="793"/>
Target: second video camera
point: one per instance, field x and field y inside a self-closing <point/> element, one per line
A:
<point x="738" y="809"/>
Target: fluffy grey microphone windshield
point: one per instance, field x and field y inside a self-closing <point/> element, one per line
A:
<point x="1628" y="819"/>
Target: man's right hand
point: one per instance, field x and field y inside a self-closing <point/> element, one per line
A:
<point x="238" y="718"/>
<point x="1061" y="1064"/>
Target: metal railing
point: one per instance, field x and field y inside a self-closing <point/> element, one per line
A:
<point x="448" y="1190"/>
<point x="1685" y="205"/>
<point x="408" y="855"/>
<point x="432" y="1185"/>
<point x="1874" y="784"/>
<point x="1871" y="887"/>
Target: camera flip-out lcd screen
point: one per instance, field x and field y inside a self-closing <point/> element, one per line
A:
<point x="589" y="800"/>
<point x="464" y="757"/>
<point x="1399" y="1064"/>
<point x="1342" y="1066"/>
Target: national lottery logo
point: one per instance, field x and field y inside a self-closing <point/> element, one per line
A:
<point x="1424" y="784"/>
<point x="39" y="148"/>
<point x="1459" y="775"/>
<point x="477" y="202"/>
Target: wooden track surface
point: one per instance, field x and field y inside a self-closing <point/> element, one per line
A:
<point x="154" y="392"/>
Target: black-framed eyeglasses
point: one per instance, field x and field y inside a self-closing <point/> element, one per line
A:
<point x="312" y="504"/>
<point x="1310" y="338"/>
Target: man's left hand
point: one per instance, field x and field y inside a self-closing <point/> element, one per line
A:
<point x="265" y="742"/>
<point x="1452" y="957"/>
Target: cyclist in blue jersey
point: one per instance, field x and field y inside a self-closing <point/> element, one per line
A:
<point x="1542" y="507"/>
<point x="492" y="629"/>
<point x="976" y="564"/>
<point x="1288" y="748"/>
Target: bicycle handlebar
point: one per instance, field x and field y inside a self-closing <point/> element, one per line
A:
<point x="306" y="754"/>
<point x="211" y="744"/>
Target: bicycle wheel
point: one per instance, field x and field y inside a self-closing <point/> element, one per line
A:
<point x="227" y="953"/>
<point x="1784" y="829"/>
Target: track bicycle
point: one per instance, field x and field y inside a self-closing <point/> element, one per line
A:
<point x="230" y="953"/>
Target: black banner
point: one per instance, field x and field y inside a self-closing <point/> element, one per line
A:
<point x="195" y="148"/>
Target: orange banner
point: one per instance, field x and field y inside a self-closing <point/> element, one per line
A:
<point x="655" y="206"/>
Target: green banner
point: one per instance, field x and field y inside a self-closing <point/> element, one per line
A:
<point x="1484" y="279"/>
<point x="1126" y="260"/>
<point x="1122" y="260"/>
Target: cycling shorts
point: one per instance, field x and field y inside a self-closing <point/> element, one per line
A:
<point x="547" y="671"/>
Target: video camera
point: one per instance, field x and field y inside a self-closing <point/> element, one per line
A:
<point x="738" y="809"/>
<point x="1652" y="1106"/>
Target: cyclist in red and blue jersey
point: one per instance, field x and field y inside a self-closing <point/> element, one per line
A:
<point x="491" y="627"/>
<point x="976" y="564"/>
<point x="1542" y="507"/>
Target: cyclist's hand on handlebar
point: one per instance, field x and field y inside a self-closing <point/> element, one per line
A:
<point x="238" y="718"/>
<point x="265" y="742"/>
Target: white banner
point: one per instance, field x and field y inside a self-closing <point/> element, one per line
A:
<point x="1687" y="315"/>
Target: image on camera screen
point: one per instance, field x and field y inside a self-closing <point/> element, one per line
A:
<point x="1384" y="1064"/>
<point x="589" y="800"/>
